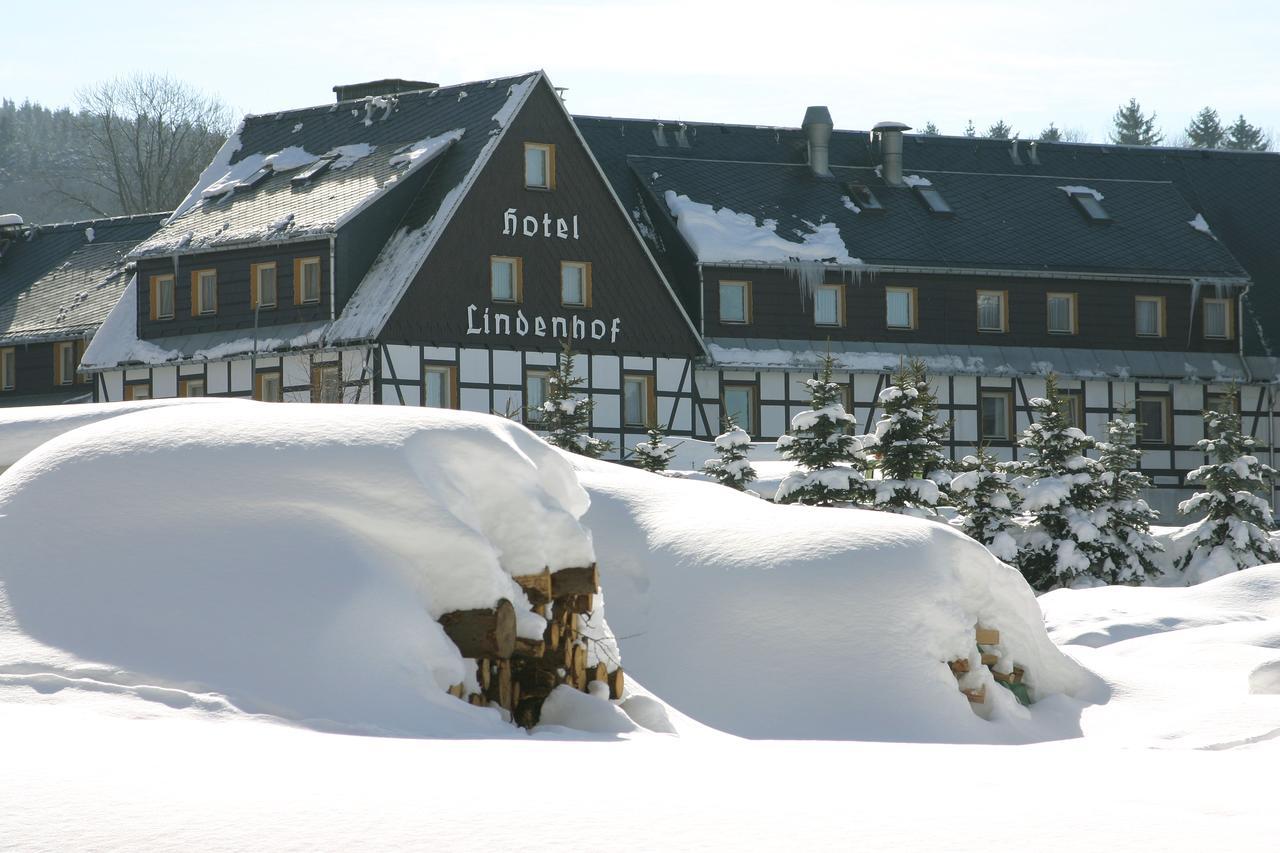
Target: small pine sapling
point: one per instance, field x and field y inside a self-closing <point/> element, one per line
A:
<point x="564" y="416"/>
<point x="732" y="468"/>
<point x="1234" y="533"/>
<point x="1127" y="543"/>
<point x="908" y="447"/>
<point x="987" y="502"/>
<point x="655" y="454"/>
<point x="1062" y="493"/>
<point x="829" y="458"/>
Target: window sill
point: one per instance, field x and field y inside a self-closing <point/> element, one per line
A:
<point x="900" y="328"/>
<point x="993" y="331"/>
<point x="1148" y="337"/>
<point x="725" y="322"/>
<point x="538" y="189"/>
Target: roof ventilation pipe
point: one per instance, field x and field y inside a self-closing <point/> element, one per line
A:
<point x="889" y="134"/>
<point x="817" y="129"/>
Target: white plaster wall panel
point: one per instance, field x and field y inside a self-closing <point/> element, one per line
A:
<point x="389" y="396"/>
<point x="1096" y="424"/>
<point x="1095" y="393"/>
<point x="473" y="366"/>
<point x="941" y="389"/>
<point x="325" y="356"/>
<point x="241" y="375"/>
<point x="999" y="382"/>
<point x="773" y="420"/>
<point x="439" y="354"/>
<point x="966" y="391"/>
<point x="297" y="396"/>
<point x="739" y="376"/>
<point x="353" y="363"/>
<point x="297" y="371"/>
<point x="666" y="406"/>
<point x="966" y="426"/>
<point x="361" y="393"/>
<point x="682" y="410"/>
<point x="506" y="368"/>
<point x="637" y="362"/>
<point x="474" y="399"/>
<point x="134" y="374"/>
<point x="606" y="412"/>
<point x="605" y="372"/>
<point x="713" y="420"/>
<point x="1002" y="454"/>
<point x="1187" y="429"/>
<point x="1154" y="459"/>
<point x="1188" y="460"/>
<point x="708" y="383"/>
<point x="542" y="359"/>
<point x="412" y="395"/>
<point x="215" y="380"/>
<point x="113" y="384"/>
<point x="1034" y="386"/>
<point x="669" y="371"/>
<point x="505" y="401"/>
<point x="1122" y="395"/>
<point x="1188" y="396"/>
<point x="164" y="382"/>
<point x="186" y="370"/>
<point x="402" y="363"/>
<point x="773" y="385"/>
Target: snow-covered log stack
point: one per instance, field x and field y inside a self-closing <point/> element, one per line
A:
<point x="988" y="654"/>
<point x="517" y="673"/>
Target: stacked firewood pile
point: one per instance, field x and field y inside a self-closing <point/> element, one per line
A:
<point x="516" y="673"/>
<point x="988" y="641"/>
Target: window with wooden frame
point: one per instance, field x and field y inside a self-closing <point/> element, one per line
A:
<point x="82" y="378"/>
<point x="8" y="369"/>
<point x="1073" y="400"/>
<point x="539" y="166"/>
<point x="536" y="385"/>
<point x="575" y="284"/>
<point x="993" y="310"/>
<point x="191" y="387"/>
<point x="64" y="363"/>
<point x="204" y="292"/>
<point x="739" y="403"/>
<point x="306" y="281"/>
<point x="828" y="305"/>
<point x="137" y="391"/>
<point x="1218" y="319"/>
<point x="995" y="416"/>
<point x="1149" y="316"/>
<point x="1153" y="414"/>
<point x="900" y="308"/>
<point x="326" y="382"/>
<point x="506" y="279"/>
<point x="262" y="285"/>
<point x="267" y="386"/>
<point x="440" y="386"/>
<point x="735" y="302"/>
<point x="162" y="297"/>
<point x="639" y="403"/>
<point x="1062" y="314"/>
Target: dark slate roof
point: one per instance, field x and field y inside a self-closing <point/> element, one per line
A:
<point x="365" y="134"/>
<point x="1237" y="192"/>
<point x="56" y="282"/>
<point x="1000" y="221"/>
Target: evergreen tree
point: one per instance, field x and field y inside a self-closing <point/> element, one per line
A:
<point x="829" y="459"/>
<point x="654" y="455"/>
<point x="1051" y="134"/>
<point x="1245" y="137"/>
<point x="1127" y="541"/>
<point x="999" y="130"/>
<point x="1205" y="131"/>
<point x="1063" y="494"/>
<point x="564" y="416"/>
<point x="987" y="502"/>
<point x="733" y="468"/>
<point x="930" y="129"/>
<point x="908" y="445"/>
<point x="1133" y="127"/>
<point x="1233" y="535"/>
<point x="970" y="130"/>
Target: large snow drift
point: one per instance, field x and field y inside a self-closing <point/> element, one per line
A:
<point x="288" y="560"/>
<point x="801" y="622"/>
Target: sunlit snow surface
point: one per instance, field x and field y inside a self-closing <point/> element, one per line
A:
<point x="771" y="621"/>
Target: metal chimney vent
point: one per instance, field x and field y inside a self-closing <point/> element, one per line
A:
<point x="817" y="128"/>
<point x="889" y="134"/>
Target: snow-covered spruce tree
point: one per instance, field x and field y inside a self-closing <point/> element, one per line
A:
<point x="1234" y="533"/>
<point x="732" y="468"/>
<point x="1063" y="494"/>
<point x="654" y="455"/>
<point x="987" y="502"/>
<point x="829" y="458"/>
<point x="908" y="448"/>
<point x="1127" y="543"/>
<point x="564" y="416"/>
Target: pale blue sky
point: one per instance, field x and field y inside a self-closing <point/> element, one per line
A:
<point x="1029" y="62"/>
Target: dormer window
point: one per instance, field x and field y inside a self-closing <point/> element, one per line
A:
<point x="262" y="281"/>
<point x="204" y="292"/>
<point x="254" y="179"/>
<point x="862" y="194"/>
<point x="306" y="281"/>
<point x="313" y="171"/>
<point x="1089" y="202"/>
<point x="933" y="200"/>
<point x="539" y="166"/>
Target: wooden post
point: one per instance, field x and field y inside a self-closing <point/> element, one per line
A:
<point x="482" y="633"/>
<point x="581" y="581"/>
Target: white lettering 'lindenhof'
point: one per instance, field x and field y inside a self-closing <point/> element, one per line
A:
<point x="559" y="328"/>
<point x="513" y="225"/>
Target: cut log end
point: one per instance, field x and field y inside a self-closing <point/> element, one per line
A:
<point x="987" y="636"/>
<point x="537" y="588"/>
<point x="482" y="633"/>
<point x="575" y="581"/>
<point x="616" y="683"/>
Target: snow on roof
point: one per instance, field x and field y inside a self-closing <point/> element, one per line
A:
<point x="1200" y="225"/>
<point x="723" y="235"/>
<point x="1079" y="190"/>
<point x="916" y="181"/>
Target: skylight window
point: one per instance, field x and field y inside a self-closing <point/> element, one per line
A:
<point x="313" y="171"/>
<point x="933" y="200"/>
<point x="1089" y="201"/>
<point x="256" y="178"/>
<point x="862" y="194"/>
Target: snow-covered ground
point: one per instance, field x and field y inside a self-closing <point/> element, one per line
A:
<point x="206" y="612"/>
